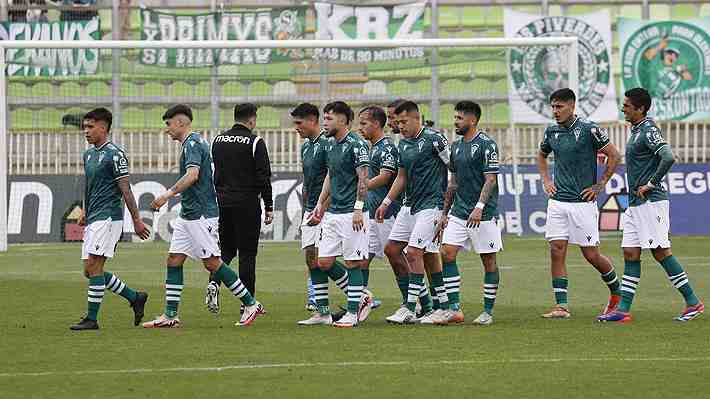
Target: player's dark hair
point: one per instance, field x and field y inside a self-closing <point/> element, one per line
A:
<point x="639" y="97"/>
<point x="179" y="109"/>
<point x="407" y="106"/>
<point x="305" y="109"/>
<point x="396" y="103"/>
<point x="376" y="113"/>
<point x="100" y="114"/>
<point x="340" y="107"/>
<point x="468" y="107"/>
<point x="243" y="112"/>
<point x="564" y="95"/>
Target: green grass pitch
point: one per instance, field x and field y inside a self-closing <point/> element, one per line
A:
<point x="42" y="291"/>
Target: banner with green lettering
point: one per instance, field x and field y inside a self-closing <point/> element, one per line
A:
<point x="51" y="62"/>
<point x="269" y="24"/>
<point x="671" y="59"/>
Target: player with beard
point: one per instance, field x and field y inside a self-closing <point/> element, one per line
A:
<point x="472" y="197"/>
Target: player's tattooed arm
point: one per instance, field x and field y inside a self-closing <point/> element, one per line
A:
<point x="488" y="186"/>
<point x="361" y="195"/>
<point x="361" y="183"/>
<point x="450" y="194"/>
<point x="125" y="186"/>
<point x="474" y="219"/>
<point x="613" y="159"/>
<point x="448" y="202"/>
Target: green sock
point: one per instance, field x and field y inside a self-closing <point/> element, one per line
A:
<point x="230" y="279"/>
<point x="452" y="284"/>
<point x="612" y="282"/>
<point x="365" y="277"/>
<point x="97" y="286"/>
<point x="403" y="284"/>
<point x="416" y="283"/>
<point x="559" y="285"/>
<point x="425" y="299"/>
<point x="679" y="279"/>
<point x="437" y="281"/>
<point x="339" y="274"/>
<point x="119" y="287"/>
<point x="173" y="290"/>
<point x="629" y="283"/>
<point x="354" y="289"/>
<point x="490" y="290"/>
<point x="320" y="288"/>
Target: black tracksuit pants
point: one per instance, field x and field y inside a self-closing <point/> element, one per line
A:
<point x="239" y="229"/>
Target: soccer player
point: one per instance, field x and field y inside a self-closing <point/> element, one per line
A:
<point x="384" y="159"/>
<point x="395" y="251"/>
<point x="473" y="190"/>
<point x="572" y="213"/>
<point x="646" y="221"/>
<point x="424" y="154"/>
<point x="106" y="170"/>
<point x="314" y="157"/>
<point x="195" y="231"/>
<point x="344" y="230"/>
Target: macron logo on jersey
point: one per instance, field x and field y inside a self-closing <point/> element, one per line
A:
<point x="233" y="139"/>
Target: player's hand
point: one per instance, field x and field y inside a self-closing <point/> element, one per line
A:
<point x="317" y="215"/>
<point x="82" y="219"/>
<point x="440" y="227"/>
<point x="141" y="230"/>
<point x="268" y="217"/>
<point x="549" y="187"/>
<point x="591" y="193"/>
<point x="664" y="43"/>
<point x="641" y="192"/>
<point x="380" y="213"/>
<point x="157" y="203"/>
<point x="474" y="219"/>
<point x="358" y="220"/>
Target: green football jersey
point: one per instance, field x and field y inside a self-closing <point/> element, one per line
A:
<point x="383" y="156"/>
<point x="424" y="158"/>
<point x="103" y="167"/>
<point x="575" y="150"/>
<point x="314" y="157"/>
<point x="642" y="160"/>
<point x="344" y="157"/>
<point x="471" y="162"/>
<point x="200" y="199"/>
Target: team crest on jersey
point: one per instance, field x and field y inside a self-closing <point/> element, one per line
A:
<point x="315" y="149"/>
<point x="344" y="148"/>
<point x="101" y="156"/>
<point x="421" y="145"/>
<point x="577" y="133"/>
<point x="474" y="148"/>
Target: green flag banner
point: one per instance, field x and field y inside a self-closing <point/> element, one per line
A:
<point x="341" y="22"/>
<point x="51" y="62"/>
<point x="281" y="24"/>
<point x="671" y="59"/>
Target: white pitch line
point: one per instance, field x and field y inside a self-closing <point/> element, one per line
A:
<point x="351" y="364"/>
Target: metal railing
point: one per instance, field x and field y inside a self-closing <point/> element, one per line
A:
<point x="33" y="153"/>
